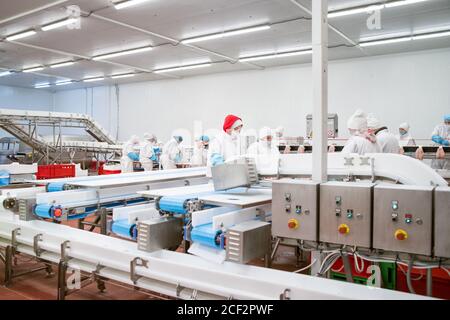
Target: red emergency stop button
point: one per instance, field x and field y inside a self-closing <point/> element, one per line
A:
<point x="58" y="213"/>
<point x="293" y="224"/>
<point x="344" y="229"/>
<point x="401" y="235"/>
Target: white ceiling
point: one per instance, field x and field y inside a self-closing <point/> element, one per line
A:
<point x="163" y="23"/>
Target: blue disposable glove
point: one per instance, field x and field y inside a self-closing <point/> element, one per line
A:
<point x="157" y="150"/>
<point x="217" y="159"/>
<point x="133" y="156"/>
<point x="154" y="157"/>
<point x="178" y="158"/>
<point x="440" y="140"/>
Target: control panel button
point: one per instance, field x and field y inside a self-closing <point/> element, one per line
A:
<point x="401" y="235"/>
<point x="298" y="209"/>
<point x="293" y="224"/>
<point x="338" y="212"/>
<point x="395" y="205"/>
<point x="288" y="208"/>
<point x="288" y="197"/>
<point x="408" y="218"/>
<point x="338" y="200"/>
<point x="349" y="214"/>
<point x="394" y="216"/>
<point x="344" y="229"/>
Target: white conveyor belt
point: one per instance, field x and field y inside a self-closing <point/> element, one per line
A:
<point x="166" y="271"/>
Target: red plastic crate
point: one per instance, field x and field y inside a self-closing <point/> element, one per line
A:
<point x="441" y="282"/>
<point x="103" y="172"/>
<point x="56" y="171"/>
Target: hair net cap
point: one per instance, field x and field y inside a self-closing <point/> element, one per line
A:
<point x="405" y="126"/>
<point x="265" y="132"/>
<point x="204" y="138"/>
<point x="357" y="121"/>
<point x="178" y="138"/>
<point x="134" y="139"/>
<point x="447" y="117"/>
<point x="372" y="122"/>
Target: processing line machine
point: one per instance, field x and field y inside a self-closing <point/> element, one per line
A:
<point x="227" y="224"/>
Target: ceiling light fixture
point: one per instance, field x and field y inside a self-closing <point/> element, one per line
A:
<point x="62" y="64"/>
<point x="128" y="3"/>
<point x="94" y="79"/>
<point x="182" y="68"/>
<point x="34" y="69"/>
<point x="63" y="83"/>
<point x="226" y="34"/>
<point x="42" y="85"/>
<point x="420" y="36"/>
<point x="120" y="76"/>
<point x="431" y="35"/>
<point x="21" y="35"/>
<point x="371" y="8"/>
<point x="121" y="53"/>
<point x="384" y="41"/>
<point x="5" y="73"/>
<point x="58" y="24"/>
<point x="275" y="55"/>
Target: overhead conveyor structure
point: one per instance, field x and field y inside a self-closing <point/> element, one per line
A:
<point x="26" y="125"/>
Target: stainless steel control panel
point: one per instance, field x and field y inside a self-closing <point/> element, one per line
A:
<point x="295" y="209"/>
<point x="442" y="222"/>
<point x="403" y="219"/>
<point x="346" y="213"/>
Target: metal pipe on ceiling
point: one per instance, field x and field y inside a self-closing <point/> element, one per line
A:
<point x="33" y="11"/>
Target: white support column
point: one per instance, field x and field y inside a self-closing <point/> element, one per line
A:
<point x="320" y="89"/>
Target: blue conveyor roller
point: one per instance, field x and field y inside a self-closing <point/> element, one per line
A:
<point x="55" y="187"/>
<point x="174" y="204"/>
<point x="205" y="235"/>
<point x="124" y="229"/>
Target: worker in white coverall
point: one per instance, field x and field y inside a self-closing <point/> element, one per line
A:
<point x="147" y="156"/>
<point x="227" y="144"/>
<point x="404" y="137"/>
<point x="441" y="134"/>
<point x="129" y="154"/>
<point x="387" y="141"/>
<point x="172" y="154"/>
<point x="266" y="145"/>
<point x="361" y="141"/>
<point x="200" y="157"/>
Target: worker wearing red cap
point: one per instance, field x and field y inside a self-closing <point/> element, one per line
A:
<point x="226" y="145"/>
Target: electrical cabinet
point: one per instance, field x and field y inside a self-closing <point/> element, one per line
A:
<point x="346" y="213"/>
<point x="295" y="209"/>
<point x="442" y="222"/>
<point x="403" y="218"/>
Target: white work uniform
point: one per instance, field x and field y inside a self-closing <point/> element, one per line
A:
<point x="200" y="157"/>
<point x="388" y="142"/>
<point x="361" y="146"/>
<point x="406" y="140"/>
<point x="262" y="148"/>
<point x="443" y="131"/>
<point x="125" y="162"/>
<point x="171" y="151"/>
<point x="225" y="146"/>
<point x="145" y="155"/>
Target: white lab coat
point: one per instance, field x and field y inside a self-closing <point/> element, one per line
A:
<point x="361" y="146"/>
<point x="170" y="152"/>
<point x="443" y="131"/>
<point x="145" y="155"/>
<point x="200" y="157"/>
<point x="406" y="140"/>
<point x="224" y="145"/>
<point x="388" y="142"/>
<point x="125" y="162"/>
<point x="262" y="148"/>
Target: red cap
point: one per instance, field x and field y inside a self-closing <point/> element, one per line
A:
<point x="230" y="121"/>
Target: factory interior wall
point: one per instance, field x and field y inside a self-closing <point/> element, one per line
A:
<point x="24" y="99"/>
<point x="411" y="87"/>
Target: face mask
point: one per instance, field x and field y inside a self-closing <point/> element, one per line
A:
<point x="234" y="134"/>
<point x="403" y="133"/>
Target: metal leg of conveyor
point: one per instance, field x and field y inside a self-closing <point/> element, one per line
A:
<point x="62" y="273"/>
<point x="9" y="255"/>
<point x="347" y="267"/>
<point x="275" y="249"/>
<point x="430" y="282"/>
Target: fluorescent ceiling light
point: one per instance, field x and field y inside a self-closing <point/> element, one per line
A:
<point x="58" y="24"/>
<point x="386" y="41"/>
<point x="182" y="68"/>
<point x="431" y="35"/>
<point x="402" y="3"/>
<point x="94" y="79"/>
<point x="120" y="76"/>
<point x="275" y="55"/>
<point x="42" y="85"/>
<point x="62" y="64"/>
<point x="33" y="69"/>
<point x="371" y="8"/>
<point x="129" y="3"/>
<point x="63" y="83"/>
<point x="348" y="12"/>
<point x="5" y="73"/>
<point x="21" y="35"/>
<point x="122" y="53"/>
<point x="225" y="34"/>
